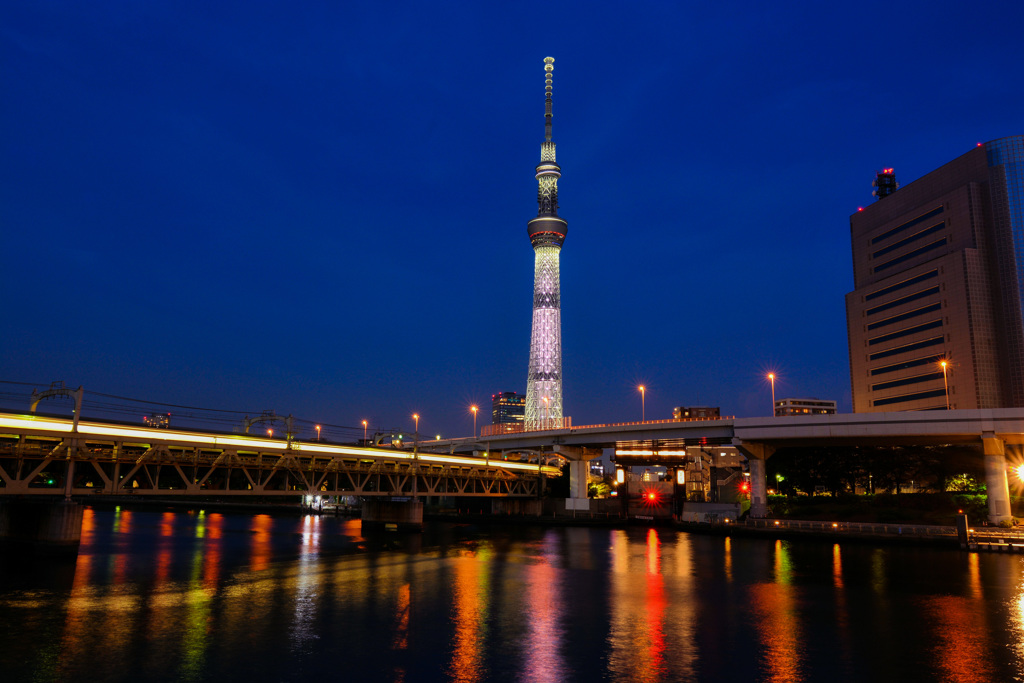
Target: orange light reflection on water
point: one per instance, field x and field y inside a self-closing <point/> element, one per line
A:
<point x="468" y="614"/>
<point x="962" y="639"/>
<point x="774" y="606"/>
<point x="212" y="551"/>
<point x="260" y="552"/>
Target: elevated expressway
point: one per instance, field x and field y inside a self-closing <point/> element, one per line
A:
<point x="759" y="437"/>
<point x="47" y="456"/>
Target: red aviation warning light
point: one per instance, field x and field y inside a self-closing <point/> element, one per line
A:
<point x="744" y="487"/>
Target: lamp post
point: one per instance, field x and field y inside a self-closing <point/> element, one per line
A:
<point x="318" y="432"/>
<point x="416" y="432"/>
<point x="474" y="409"/>
<point x="771" y="378"/>
<point x="270" y="433"/>
<point x="945" y="380"/>
<point x="643" y="406"/>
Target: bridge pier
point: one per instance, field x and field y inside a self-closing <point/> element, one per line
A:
<point x="756" y="454"/>
<point x="51" y="525"/>
<point x="996" y="483"/>
<point x="579" y="475"/>
<point x="400" y="515"/>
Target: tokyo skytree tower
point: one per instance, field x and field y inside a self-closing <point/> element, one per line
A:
<point x="547" y="232"/>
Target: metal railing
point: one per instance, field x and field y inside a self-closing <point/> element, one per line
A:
<point x="895" y="529"/>
<point x="566" y="423"/>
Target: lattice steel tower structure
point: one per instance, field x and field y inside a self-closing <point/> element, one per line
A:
<point x="547" y="232"/>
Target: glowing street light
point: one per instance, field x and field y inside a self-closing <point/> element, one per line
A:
<point x="771" y="378"/>
<point x="364" y="432"/>
<point x="643" y="407"/>
<point x="318" y="432"/>
<point x="270" y="433"/>
<point x="416" y="433"/>
<point x="474" y="410"/>
<point x="945" y="381"/>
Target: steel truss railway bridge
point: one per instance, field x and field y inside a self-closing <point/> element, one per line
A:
<point x="46" y="456"/>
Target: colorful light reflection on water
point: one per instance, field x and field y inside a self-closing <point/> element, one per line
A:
<point x="204" y="596"/>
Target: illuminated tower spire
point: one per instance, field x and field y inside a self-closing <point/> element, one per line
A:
<point x="547" y="232"/>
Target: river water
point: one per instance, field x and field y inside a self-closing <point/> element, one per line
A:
<point x="170" y="595"/>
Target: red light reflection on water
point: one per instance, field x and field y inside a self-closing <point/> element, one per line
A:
<point x="639" y="604"/>
<point x="655" y="612"/>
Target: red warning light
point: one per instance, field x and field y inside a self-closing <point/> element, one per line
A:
<point x="649" y="498"/>
<point x="745" y="487"/>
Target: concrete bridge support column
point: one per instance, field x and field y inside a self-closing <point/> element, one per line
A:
<point x="44" y="524"/>
<point x="756" y="454"/>
<point x="996" y="483"/>
<point x="398" y="515"/>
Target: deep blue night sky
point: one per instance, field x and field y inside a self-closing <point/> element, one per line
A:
<point x="321" y="208"/>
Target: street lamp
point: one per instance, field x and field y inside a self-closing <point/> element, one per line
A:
<point x="270" y="433"/>
<point x="364" y="432"/>
<point x="474" y="409"/>
<point x="771" y="378"/>
<point x="945" y="381"/>
<point x="643" y="407"/>
<point x="778" y="482"/>
<point x="318" y="432"/>
<point x="416" y="433"/>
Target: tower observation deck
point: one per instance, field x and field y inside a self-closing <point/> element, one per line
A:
<point x="547" y="232"/>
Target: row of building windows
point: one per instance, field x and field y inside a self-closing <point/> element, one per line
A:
<point x="906" y="226"/>
<point x="904" y="300"/>
<point x="906" y="331"/>
<point x="910" y="254"/>
<point x="905" y="365"/>
<point x="901" y="285"/>
<point x="913" y="238"/>
<point x="910" y="397"/>
<point x="934" y="341"/>
<point x="916" y="379"/>
<point x="905" y="316"/>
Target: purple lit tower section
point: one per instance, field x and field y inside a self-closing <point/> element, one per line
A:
<point x="547" y="232"/>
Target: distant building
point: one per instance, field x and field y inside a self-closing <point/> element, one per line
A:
<point x="696" y="413"/>
<point x="159" y="420"/>
<point x="936" y="318"/>
<point x="508" y="407"/>
<point x="804" y="406"/>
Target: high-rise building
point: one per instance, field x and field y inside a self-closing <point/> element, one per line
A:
<point x="936" y="319"/>
<point x="508" y="408"/>
<point x="547" y="232"/>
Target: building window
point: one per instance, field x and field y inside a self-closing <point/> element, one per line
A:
<point x="913" y="238"/>
<point x="904" y="332"/>
<point x="905" y="316"/>
<point x="910" y="254"/>
<point x="908" y="347"/>
<point x="917" y="362"/>
<point x="906" y="226"/>
<point x="910" y="397"/>
<point x="916" y="379"/>
<point x="905" y="300"/>
<point x="902" y="285"/>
